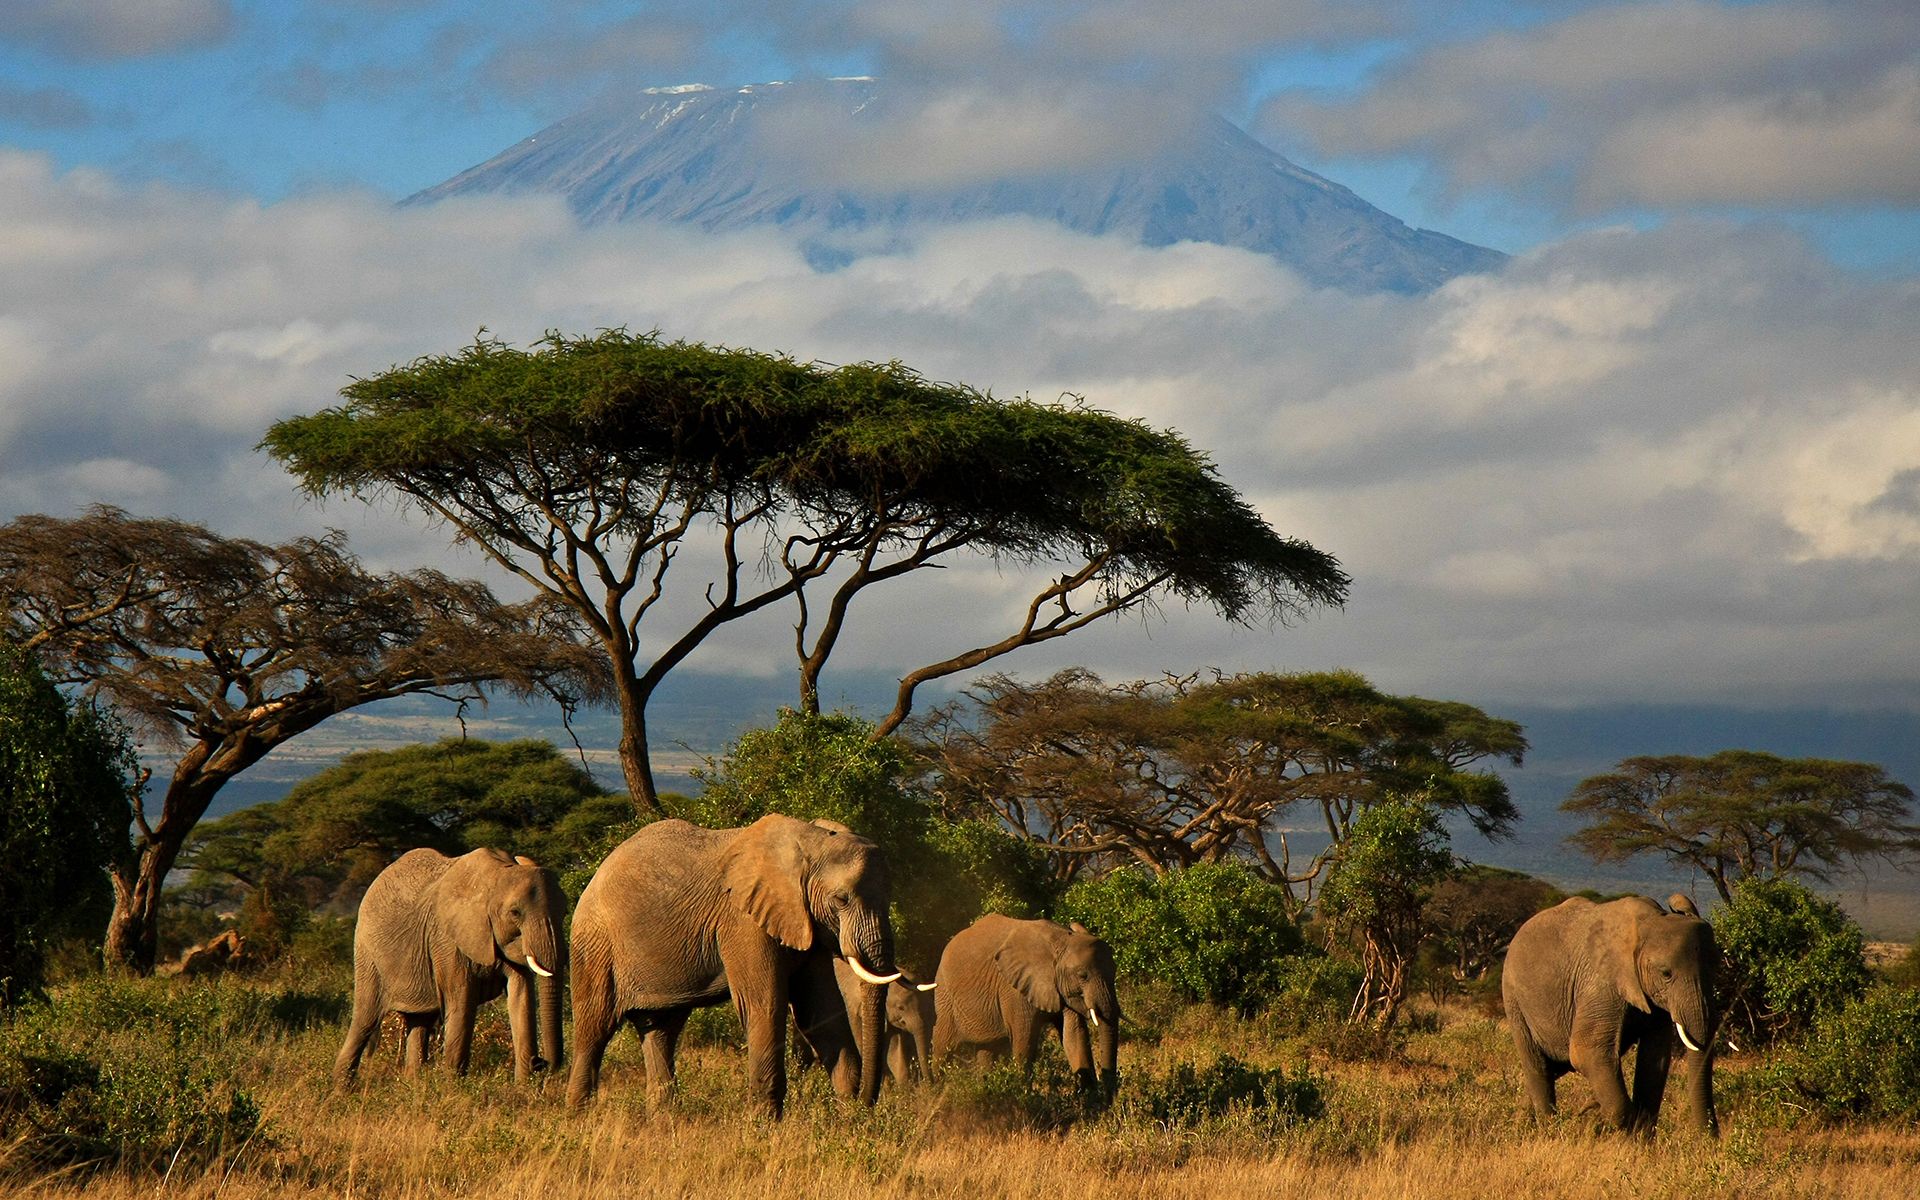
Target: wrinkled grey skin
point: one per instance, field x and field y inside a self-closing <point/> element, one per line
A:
<point x="679" y="917"/>
<point x="1585" y="982"/>
<point x="1003" y="983"/>
<point x="437" y="937"/>
<point x="909" y="1025"/>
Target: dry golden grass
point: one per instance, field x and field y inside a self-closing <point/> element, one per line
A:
<point x="1444" y="1119"/>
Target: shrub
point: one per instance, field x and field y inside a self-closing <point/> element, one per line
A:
<point x="1861" y="1061"/>
<point x="1215" y="931"/>
<point x="119" y="1072"/>
<point x="1272" y="1097"/>
<point x="1792" y="956"/>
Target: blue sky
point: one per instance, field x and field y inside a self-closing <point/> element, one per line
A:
<point x="1671" y="454"/>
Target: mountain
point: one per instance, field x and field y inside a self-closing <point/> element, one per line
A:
<point x="699" y="154"/>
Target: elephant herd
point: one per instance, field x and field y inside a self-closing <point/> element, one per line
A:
<point x="786" y="916"/>
<point x="782" y="917"/>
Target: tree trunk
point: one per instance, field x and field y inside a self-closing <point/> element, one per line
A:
<point x="634" y="760"/>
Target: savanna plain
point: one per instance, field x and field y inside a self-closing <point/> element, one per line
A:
<point x="1209" y="1105"/>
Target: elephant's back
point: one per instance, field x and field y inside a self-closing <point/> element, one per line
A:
<point x="660" y="862"/>
<point x="398" y="894"/>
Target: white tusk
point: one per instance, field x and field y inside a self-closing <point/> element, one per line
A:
<point x="543" y="973"/>
<point x="926" y="987"/>
<point x="1094" y="1015"/>
<point x="1687" y="1041"/>
<point x="869" y="976"/>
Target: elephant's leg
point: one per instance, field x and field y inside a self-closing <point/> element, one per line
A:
<point x="520" y="1022"/>
<point x="414" y="1028"/>
<point x="1599" y="1065"/>
<point x="899" y="1057"/>
<point x="1651" y="1065"/>
<point x="594" y="1021"/>
<point x="767" y="1051"/>
<point x="657" y="1045"/>
<point x="826" y="1029"/>
<point x="361" y="1028"/>
<point x="459" y="1028"/>
<point x="1533" y="1069"/>
<point x="1024" y="1030"/>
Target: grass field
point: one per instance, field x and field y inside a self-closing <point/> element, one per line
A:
<point x="1442" y="1116"/>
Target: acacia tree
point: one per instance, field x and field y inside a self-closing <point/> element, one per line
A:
<point x="223" y="649"/>
<point x="1741" y="814"/>
<point x="589" y="466"/>
<point x="1177" y="771"/>
<point x="1376" y="894"/>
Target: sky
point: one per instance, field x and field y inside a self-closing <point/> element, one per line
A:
<point x="1670" y="454"/>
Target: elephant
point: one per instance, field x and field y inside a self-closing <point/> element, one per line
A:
<point x="1003" y="982"/>
<point x="1583" y="982"/>
<point x="679" y="917"/>
<point x="439" y="936"/>
<point x="909" y="1024"/>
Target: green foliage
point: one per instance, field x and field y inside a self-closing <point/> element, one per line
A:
<point x="67" y="773"/>
<point x="830" y="765"/>
<point x="1793" y="955"/>
<point x="139" y="1073"/>
<point x="320" y="845"/>
<point x="1215" y="931"/>
<point x="1474" y="912"/>
<point x="1271" y="1097"/>
<point x="1859" y="1061"/>
<point x="1396" y="854"/>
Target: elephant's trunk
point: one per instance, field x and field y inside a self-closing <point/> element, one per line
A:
<point x="866" y="940"/>
<point x="552" y="956"/>
<point x="1103" y="1016"/>
<point x="1695" y="1025"/>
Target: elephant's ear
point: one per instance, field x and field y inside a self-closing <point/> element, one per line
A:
<point x="1028" y="964"/>
<point x="466" y="903"/>
<point x="1626" y="960"/>
<point x="764" y="874"/>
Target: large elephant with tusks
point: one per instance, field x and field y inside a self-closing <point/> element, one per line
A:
<point x="679" y="917"/>
<point x="1586" y="982"/>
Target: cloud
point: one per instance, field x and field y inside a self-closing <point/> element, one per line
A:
<point x="1666" y="104"/>
<point x="109" y="29"/>
<point x="1675" y="465"/>
<point x="44" y="108"/>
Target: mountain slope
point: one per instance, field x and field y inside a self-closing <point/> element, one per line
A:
<point x="699" y="155"/>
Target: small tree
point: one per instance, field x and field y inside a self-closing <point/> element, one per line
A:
<point x="589" y="466"/>
<point x="1793" y="957"/>
<point x="1376" y="894"/>
<point x="68" y="781"/>
<point x="1216" y="932"/>
<point x="1474" y="912"/>
<point x="1742" y="813"/>
<point x="223" y="649"/>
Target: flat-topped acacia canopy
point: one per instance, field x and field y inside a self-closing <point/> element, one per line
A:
<point x="580" y="463"/>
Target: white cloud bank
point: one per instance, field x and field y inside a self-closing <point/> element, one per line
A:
<point x="1662" y="104"/>
<point x="1670" y="466"/>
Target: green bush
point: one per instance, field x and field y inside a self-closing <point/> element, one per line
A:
<point x="131" y="1072"/>
<point x="1792" y="957"/>
<point x="1858" y="1062"/>
<point x="1272" y="1097"/>
<point x="1215" y="931"/>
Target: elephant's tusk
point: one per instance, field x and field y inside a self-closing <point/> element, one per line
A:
<point x="543" y="973"/>
<point x="1685" y="1040"/>
<point x="926" y="987"/>
<point x="869" y="976"/>
<point x="1094" y="1016"/>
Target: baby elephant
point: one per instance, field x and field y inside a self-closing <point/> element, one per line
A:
<point x="1004" y="983"/>
<point x="827" y="1034"/>
<point x="1584" y="982"/>
<point x="439" y="936"/>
